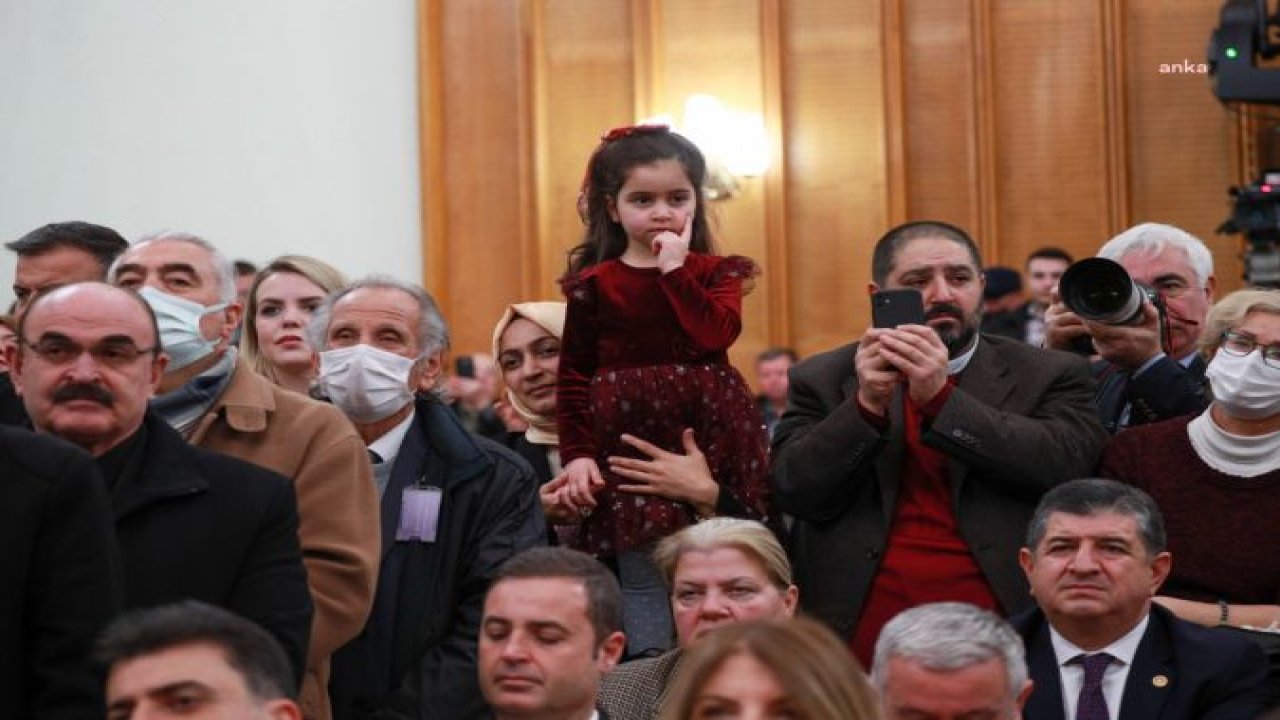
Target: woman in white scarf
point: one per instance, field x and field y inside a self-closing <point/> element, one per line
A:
<point x="1216" y="475"/>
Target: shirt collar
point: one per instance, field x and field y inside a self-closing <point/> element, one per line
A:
<point x="388" y="446"/>
<point x="957" y="364"/>
<point x="1123" y="649"/>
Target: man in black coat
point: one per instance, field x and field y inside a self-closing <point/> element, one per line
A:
<point x="1095" y="556"/>
<point x="189" y="523"/>
<point x="454" y="507"/>
<point x="60" y="577"/>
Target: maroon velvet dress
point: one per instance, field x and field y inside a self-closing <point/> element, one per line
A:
<point x="645" y="353"/>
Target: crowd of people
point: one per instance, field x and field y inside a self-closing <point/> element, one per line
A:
<point x="264" y="493"/>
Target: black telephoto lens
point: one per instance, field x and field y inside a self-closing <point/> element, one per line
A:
<point x="1100" y="290"/>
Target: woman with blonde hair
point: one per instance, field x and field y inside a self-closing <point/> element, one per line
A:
<point x="720" y="571"/>
<point x="281" y="300"/>
<point x="790" y="668"/>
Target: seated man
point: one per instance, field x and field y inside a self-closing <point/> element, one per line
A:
<point x="771" y="379"/>
<point x="190" y="659"/>
<point x="455" y="506"/>
<point x="1146" y="374"/>
<point x="950" y="660"/>
<point x="189" y="523"/>
<point x="211" y="395"/>
<point x="1097" y="646"/>
<point x="552" y="628"/>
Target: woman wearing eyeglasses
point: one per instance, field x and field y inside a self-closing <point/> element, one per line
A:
<point x="1216" y="475"/>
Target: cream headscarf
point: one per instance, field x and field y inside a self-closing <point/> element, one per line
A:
<point x="550" y="317"/>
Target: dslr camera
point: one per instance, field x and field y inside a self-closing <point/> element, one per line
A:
<point x="1102" y="291"/>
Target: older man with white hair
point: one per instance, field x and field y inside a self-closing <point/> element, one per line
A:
<point x="218" y="403"/>
<point x="1150" y="370"/>
<point x="950" y="660"/>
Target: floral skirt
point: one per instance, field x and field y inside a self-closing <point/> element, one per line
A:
<point x="656" y="403"/>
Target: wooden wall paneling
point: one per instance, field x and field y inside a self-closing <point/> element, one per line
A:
<point x="777" y="293"/>
<point x="485" y="189"/>
<point x="1180" y="146"/>
<point x="1117" y="117"/>
<point x="894" y="111"/>
<point x="1052" y="165"/>
<point x="431" y="138"/>
<point x="835" y="164"/>
<point x="585" y="87"/>
<point x="940" y="76"/>
<point x="725" y="63"/>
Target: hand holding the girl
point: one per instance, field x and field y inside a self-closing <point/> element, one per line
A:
<point x="557" y="509"/>
<point x="672" y="248"/>
<point x="582" y="477"/>
<point x="683" y="478"/>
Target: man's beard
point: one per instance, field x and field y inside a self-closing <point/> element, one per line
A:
<point x="961" y="338"/>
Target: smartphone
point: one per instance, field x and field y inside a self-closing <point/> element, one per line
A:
<point x="464" y="366"/>
<point x="891" y="308"/>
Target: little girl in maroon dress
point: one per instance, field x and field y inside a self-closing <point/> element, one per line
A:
<point x="651" y="314"/>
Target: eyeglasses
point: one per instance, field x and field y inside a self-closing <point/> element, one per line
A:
<point x="1234" y="343"/>
<point x="109" y="353"/>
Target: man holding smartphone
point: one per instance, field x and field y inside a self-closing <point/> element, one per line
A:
<point x="912" y="459"/>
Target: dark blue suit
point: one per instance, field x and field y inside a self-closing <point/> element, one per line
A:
<point x="416" y="657"/>
<point x="1180" y="672"/>
<point x="1165" y="390"/>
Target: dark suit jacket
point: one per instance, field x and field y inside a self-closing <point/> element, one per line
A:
<point x="1020" y="421"/>
<point x="1164" y="391"/>
<point x="416" y="658"/>
<point x="12" y="411"/>
<point x="197" y="524"/>
<point x="1180" y="672"/>
<point x="59" y="577"/>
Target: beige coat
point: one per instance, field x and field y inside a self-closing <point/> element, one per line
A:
<point x="314" y="445"/>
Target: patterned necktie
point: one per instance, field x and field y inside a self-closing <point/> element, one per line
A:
<point x="1092" y="705"/>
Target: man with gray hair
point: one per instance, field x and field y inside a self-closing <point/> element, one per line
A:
<point x="218" y="403"/>
<point x="1098" y="647"/>
<point x="454" y="506"/>
<point x="950" y="660"/>
<point x="1148" y="371"/>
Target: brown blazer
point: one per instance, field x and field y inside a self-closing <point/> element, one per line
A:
<point x="315" y="446"/>
<point x="636" y="690"/>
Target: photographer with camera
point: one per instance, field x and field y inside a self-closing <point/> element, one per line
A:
<point x="1148" y="368"/>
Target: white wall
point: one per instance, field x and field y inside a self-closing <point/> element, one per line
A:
<point x="266" y="126"/>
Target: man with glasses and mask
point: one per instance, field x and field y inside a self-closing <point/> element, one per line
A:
<point x="912" y="459"/>
<point x="217" y="402"/>
<point x="454" y="506"/>
<point x="1142" y="376"/>
<point x="189" y="523"/>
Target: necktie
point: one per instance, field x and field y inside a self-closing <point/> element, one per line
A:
<point x="1092" y="705"/>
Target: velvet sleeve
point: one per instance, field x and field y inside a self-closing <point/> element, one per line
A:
<point x="578" y="361"/>
<point x="710" y="313"/>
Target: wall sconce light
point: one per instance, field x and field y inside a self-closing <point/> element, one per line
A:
<point x="733" y="142"/>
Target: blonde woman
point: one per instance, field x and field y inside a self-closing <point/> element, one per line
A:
<point x="281" y="300"/>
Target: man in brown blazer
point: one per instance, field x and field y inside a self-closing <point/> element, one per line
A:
<point x="911" y="460"/>
<point x="218" y="403"/>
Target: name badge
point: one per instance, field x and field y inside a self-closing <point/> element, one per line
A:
<point x="419" y="514"/>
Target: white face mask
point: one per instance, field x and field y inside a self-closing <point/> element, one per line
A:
<point x="366" y="383"/>
<point x="1243" y="385"/>
<point x="179" y="321"/>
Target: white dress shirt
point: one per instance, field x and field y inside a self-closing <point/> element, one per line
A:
<point x="1072" y="674"/>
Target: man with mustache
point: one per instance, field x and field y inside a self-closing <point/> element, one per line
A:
<point x="912" y="459"/>
<point x="1144" y="375"/>
<point x="189" y="523"/>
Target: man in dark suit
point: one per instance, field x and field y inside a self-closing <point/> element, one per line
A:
<point x="549" y="593"/>
<point x="189" y="523"/>
<point x="59" y="577"/>
<point x="455" y="506"/>
<point x="1097" y="646"/>
<point x="912" y="459"/>
<point x="1149" y="371"/>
